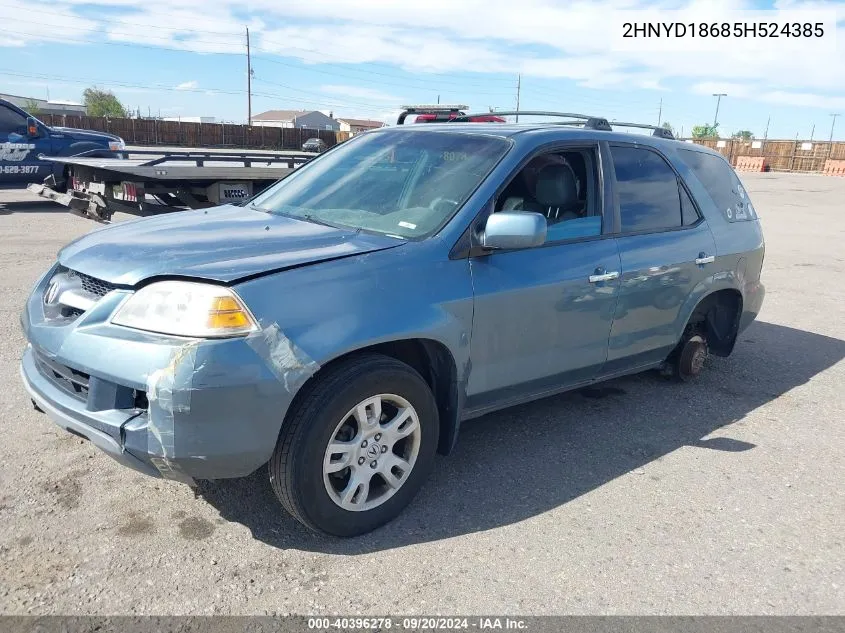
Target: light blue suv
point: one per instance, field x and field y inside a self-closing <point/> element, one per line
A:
<point x="341" y="325"/>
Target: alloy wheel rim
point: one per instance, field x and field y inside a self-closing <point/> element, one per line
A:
<point x="372" y="452"/>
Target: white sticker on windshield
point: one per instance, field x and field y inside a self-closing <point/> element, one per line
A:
<point x="740" y="213"/>
<point x="407" y="225"/>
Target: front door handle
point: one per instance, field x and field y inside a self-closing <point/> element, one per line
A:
<point x="704" y="259"/>
<point x="594" y="279"/>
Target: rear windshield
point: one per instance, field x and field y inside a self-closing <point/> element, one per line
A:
<point x="401" y="183"/>
<point x="721" y="183"/>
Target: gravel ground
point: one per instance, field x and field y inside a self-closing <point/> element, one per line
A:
<point x="639" y="496"/>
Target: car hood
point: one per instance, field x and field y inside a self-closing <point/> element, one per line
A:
<point x="86" y="135"/>
<point x="223" y="244"/>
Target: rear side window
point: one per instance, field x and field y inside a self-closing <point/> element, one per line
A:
<point x="688" y="212"/>
<point x="721" y="183"/>
<point x="649" y="197"/>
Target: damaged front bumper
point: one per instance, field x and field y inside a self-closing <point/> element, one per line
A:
<point x="178" y="408"/>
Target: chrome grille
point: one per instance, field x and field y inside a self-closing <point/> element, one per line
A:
<point x="92" y="285"/>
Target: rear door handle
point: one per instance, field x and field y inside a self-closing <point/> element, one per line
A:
<point x="594" y="279"/>
<point x="704" y="259"/>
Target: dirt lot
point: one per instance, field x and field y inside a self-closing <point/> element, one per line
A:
<point x="723" y="496"/>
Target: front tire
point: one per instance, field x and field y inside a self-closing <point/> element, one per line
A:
<point x="356" y="447"/>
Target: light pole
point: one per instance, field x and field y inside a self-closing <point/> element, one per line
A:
<point x="830" y="142"/>
<point x="718" y="96"/>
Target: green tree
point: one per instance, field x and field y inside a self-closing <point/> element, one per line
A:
<point x="705" y="131"/>
<point x="31" y="107"/>
<point x="102" y="103"/>
<point x="745" y="135"/>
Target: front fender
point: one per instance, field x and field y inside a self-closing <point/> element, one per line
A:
<point x="333" y="308"/>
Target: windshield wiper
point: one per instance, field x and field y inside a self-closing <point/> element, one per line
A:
<point x="254" y="207"/>
<point x="311" y="218"/>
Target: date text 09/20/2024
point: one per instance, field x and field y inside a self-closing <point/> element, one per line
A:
<point x="416" y="623"/>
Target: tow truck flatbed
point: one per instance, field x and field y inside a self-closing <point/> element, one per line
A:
<point x="154" y="181"/>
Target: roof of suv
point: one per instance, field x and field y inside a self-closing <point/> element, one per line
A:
<point x="537" y="132"/>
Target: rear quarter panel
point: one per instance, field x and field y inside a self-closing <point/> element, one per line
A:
<point x="740" y="249"/>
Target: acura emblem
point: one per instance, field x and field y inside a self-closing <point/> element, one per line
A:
<point x="51" y="296"/>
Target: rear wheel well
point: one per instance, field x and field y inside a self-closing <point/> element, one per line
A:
<point x="717" y="317"/>
<point x="431" y="360"/>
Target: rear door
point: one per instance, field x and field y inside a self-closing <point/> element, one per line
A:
<point x="19" y="162"/>
<point x="666" y="250"/>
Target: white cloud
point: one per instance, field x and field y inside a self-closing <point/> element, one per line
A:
<point x="579" y="40"/>
<point x="778" y="97"/>
<point x="29" y="22"/>
<point x="188" y="85"/>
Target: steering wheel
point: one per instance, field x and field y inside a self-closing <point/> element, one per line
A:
<point x="434" y="203"/>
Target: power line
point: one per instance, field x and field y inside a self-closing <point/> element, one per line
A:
<point x="123" y="84"/>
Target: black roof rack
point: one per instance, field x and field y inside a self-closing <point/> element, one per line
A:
<point x="588" y="121"/>
<point x="660" y="132"/>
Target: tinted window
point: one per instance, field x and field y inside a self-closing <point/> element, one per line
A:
<point x="721" y="183"/>
<point x="11" y="122"/>
<point x="404" y="183"/>
<point x="648" y="190"/>
<point x="690" y="215"/>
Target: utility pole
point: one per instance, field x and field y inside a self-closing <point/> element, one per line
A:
<point x="830" y="142"/>
<point x="660" y="112"/>
<point x="765" y="137"/>
<point x="813" y="131"/>
<point x="248" y="81"/>
<point x="718" y="96"/>
<point x="438" y="99"/>
<point x="518" y="89"/>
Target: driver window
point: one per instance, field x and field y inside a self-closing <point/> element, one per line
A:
<point x="563" y="187"/>
<point x="11" y="123"/>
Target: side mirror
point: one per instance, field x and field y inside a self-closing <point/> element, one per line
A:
<point x="506" y="230"/>
<point x="32" y="128"/>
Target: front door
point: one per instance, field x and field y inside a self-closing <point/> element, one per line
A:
<point x="542" y="315"/>
<point x="19" y="163"/>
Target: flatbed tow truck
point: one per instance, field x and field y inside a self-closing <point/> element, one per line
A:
<point x="149" y="181"/>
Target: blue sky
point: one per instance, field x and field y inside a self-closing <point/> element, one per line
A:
<point x="364" y="58"/>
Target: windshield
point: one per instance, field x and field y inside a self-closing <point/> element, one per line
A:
<point x="399" y="183"/>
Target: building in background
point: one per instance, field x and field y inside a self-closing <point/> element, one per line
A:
<point x="277" y="118"/>
<point x="191" y="119"/>
<point x="44" y="106"/>
<point x="359" y="125"/>
<point x="317" y="120"/>
<point x="312" y="119"/>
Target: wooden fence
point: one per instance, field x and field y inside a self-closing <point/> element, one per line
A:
<point x="801" y="156"/>
<point x="183" y="134"/>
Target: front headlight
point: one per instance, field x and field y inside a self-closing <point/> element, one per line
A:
<point x="117" y="146"/>
<point x="186" y="308"/>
